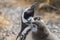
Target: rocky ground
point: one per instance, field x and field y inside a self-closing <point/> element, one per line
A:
<point x="10" y="21"/>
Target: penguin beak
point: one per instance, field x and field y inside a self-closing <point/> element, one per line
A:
<point x="34" y="5"/>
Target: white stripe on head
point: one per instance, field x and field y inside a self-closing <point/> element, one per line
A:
<point x="29" y="19"/>
<point x="23" y="19"/>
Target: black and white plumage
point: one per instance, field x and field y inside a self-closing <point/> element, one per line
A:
<point x="28" y="13"/>
<point x="26" y="18"/>
<point x="26" y="31"/>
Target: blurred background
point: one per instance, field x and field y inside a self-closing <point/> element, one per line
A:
<point x="11" y="10"/>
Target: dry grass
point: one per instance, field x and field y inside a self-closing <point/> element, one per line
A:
<point x="51" y="16"/>
<point x="23" y="3"/>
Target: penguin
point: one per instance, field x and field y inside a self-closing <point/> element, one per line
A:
<point x="26" y="18"/>
<point x="43" y="33"/>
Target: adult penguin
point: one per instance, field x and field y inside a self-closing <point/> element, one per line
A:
<point x="27" y="17"/>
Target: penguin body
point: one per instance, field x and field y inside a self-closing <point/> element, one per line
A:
<point x="43" y="33"/>
<point x="26" y="18"/>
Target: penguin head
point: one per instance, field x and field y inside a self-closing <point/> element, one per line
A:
<point x="28" y="13"/>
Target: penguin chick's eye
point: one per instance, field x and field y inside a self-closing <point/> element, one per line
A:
<point x="34" y="28"/>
